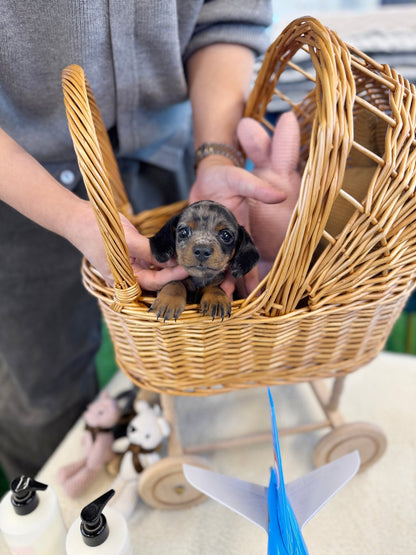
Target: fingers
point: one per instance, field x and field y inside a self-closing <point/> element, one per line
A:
<point x="228" y="285"/>
<point x="232" y="186"/>
<point x="245" y="184"/>
<point x="245" y="284"/>
<point x="140" y="253"/>
<point x="255" y="141"/>
<point x="153" y="280"/>
<point x="141" y="258"/>
<point x="138" y="245"/>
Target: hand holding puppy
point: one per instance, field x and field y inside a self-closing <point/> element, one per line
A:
<point x="263" y="200"/>
<point x="150" y="274"/>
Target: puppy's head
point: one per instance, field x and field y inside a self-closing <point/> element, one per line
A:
<point x="207" y="239"/>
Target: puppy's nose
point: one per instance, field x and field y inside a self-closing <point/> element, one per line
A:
<point x="202" y="252"/>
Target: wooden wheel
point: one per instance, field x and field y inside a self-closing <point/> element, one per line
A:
<point x="368" y="438"/>
<point x="164" y="486"/>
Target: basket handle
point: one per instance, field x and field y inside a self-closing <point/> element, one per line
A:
<point x="330" y="143"/>
<point x="102" y="179"/>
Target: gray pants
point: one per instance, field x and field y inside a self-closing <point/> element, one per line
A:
<point x="50" y="326"/>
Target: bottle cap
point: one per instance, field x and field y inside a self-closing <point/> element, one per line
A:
<point x="94" y="527"/>
<point x="24" y="497"/>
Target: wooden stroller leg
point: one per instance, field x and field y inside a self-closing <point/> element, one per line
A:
<point x="169" y="412"/>
<point x="163" y="485"/>
<point x="329" y="399"/>
<point x="365" y="437"/>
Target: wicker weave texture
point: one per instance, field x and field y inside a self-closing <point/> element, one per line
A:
<point x="348" y="262"/>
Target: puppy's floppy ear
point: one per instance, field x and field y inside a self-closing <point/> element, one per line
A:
<point x="162" y="243"/>
<point x="246" y="255"/>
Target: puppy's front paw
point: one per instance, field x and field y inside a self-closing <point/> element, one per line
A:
<point x="215" y="302"/>
<point x="170" y="301"/>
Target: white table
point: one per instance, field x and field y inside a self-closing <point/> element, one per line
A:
<point x="375" y="513"/>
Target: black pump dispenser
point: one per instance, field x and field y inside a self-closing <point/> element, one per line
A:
<point x="94" y="527"/>
<point x="24" y="498"/>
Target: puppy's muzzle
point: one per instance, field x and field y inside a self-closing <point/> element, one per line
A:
<point x="202" y="252"/>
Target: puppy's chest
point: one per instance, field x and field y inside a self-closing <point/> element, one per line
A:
<point x="195" y="285"/>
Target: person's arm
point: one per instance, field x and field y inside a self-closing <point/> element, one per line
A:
<point x="219" y="78"/>
<point x="31" y="190"/>
<point x="27" y="187"/>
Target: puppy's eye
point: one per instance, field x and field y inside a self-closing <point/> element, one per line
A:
<point x="184" y="232"/>
<point x="226" y="236"/>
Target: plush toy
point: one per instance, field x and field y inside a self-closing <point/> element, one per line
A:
<point x="140" y="449"/>
<point x="275" y="160"/>
<point x="100" y="418"/>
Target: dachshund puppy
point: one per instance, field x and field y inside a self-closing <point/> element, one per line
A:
<point x="207" y="240"/>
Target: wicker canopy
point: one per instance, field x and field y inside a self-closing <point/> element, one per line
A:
<point x="347" y="264"/>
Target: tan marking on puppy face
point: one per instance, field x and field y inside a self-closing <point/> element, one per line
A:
<point x="205" y="238"/>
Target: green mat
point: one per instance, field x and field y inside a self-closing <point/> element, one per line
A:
<point x="105" y="361"/>
<point x="403" y="336"/>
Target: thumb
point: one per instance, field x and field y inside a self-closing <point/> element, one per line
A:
<point x="246" y="184"/>
<point x="139" y="247"/>
<point x="255" y="141"/>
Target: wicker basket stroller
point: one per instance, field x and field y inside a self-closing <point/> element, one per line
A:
<point x="347" y="264"/>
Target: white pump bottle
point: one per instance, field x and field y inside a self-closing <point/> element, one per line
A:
<point x="96" y="533"/>
<point x="31" y="520"/>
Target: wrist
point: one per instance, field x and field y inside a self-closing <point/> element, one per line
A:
<point x="214" y="160"/>
<point x="223" y="153"/>
<point x="76" y="226"/>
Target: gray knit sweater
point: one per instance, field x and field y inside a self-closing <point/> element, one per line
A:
<point x="133" y="53"/>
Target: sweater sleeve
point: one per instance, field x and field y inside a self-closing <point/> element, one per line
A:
<point x="242" y="22"/>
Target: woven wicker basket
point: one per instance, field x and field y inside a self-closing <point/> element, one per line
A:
<point x="333" y="295"/>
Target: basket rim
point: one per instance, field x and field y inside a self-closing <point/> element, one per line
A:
<point x="140" y="308"/>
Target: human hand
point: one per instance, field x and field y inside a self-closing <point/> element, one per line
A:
<point x="262" y="201"/>
<point x="218" y="179"/>
<point x="150" y="274"/>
